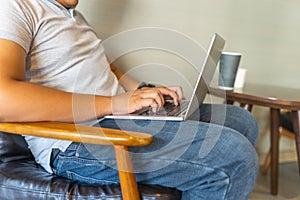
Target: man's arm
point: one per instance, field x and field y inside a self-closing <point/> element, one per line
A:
<point x="24" y="101"/>
<point x="128" y="83"/>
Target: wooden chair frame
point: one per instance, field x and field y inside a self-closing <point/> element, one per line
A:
<point x="282" y="132"/>
<point x="120" y="139"/>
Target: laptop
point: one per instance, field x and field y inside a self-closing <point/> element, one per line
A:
<point x="186" y="107"/>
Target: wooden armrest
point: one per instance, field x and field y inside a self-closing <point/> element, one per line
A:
<point x="93" y="135"/>
<point x="78" y="133"/>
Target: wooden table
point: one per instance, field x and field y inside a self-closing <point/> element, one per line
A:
<point x="275" y="98"/>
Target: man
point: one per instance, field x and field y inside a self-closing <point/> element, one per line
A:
<point x="53" y="68"/>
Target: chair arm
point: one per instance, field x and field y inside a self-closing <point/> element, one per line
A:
<point x="78" y="133"/>
<point x="93" y="135"/>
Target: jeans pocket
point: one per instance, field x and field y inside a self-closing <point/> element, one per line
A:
<point x="77" y="164"/>
<point x="90" y="180"/>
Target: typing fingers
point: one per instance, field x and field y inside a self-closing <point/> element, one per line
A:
<point x="176" y="95"/>
<point x="150" y="97"/>
<point x="178" y="91"/>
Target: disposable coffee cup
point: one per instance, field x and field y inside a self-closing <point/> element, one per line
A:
<point x="229" y="64"/>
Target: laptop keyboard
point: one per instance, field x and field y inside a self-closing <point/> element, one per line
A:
<point x="169" y="109"/>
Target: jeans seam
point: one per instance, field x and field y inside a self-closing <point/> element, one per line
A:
<point x="218" y="169"/>
<point x="203" y="165"/>
<point x="71" y="174"/>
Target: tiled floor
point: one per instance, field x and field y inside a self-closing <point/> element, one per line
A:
<point x="289" y="184"/>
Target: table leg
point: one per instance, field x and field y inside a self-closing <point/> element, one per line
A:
<point x="297" y="134"/>
<point x="275" y="115"/>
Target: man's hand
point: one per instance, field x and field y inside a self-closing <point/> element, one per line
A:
<point x="178" y="91"/>
<point x="146" y="97"/>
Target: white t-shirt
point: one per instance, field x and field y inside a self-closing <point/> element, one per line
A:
<point x="63" y="52"/>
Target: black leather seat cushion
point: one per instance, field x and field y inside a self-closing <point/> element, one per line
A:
<point x="22" y="178"/>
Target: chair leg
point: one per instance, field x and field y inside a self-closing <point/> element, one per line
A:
<point x="126" y="174"/>
<point x="267" y="163"/>
<point x="296" y="127"/>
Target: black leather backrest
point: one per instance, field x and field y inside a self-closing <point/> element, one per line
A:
<point x="13" y="147"/>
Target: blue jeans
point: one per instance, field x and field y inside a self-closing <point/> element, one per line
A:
<point x="204" y="160"/>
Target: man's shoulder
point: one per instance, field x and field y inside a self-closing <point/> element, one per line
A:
<point x="18" y="3"/>
<point x="20" y="6"/>
<point x="17" y="19"/>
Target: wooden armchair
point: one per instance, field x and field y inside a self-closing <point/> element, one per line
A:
<point x="17" y="166"/>
<point x="286" y="129"/>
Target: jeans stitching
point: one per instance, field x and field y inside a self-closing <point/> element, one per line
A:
<point x="76" y="176"/>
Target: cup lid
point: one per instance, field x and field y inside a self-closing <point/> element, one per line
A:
<point x="231" y="53"/>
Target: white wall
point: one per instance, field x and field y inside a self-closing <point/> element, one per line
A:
<point x="266" y="32"/>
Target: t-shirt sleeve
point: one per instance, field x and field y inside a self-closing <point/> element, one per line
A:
<point x="15" y="23"/>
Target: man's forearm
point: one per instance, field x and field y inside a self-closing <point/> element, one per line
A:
<point x="23" y="101"/>
<point x="127" y="82"/>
